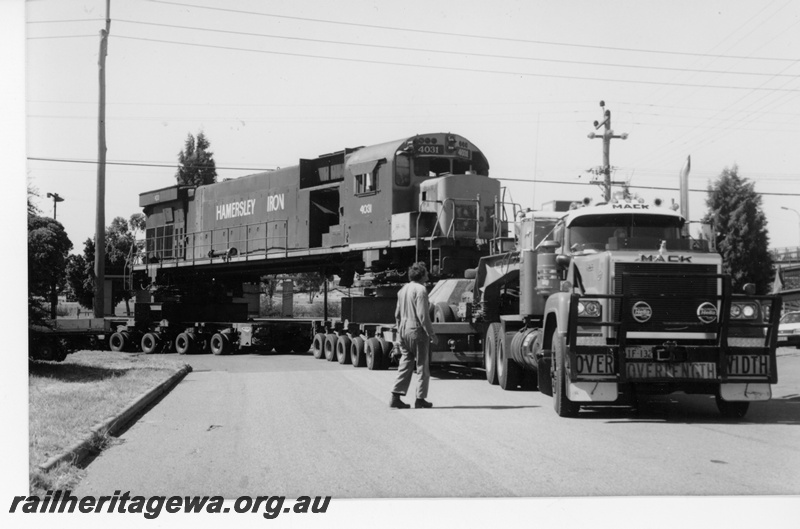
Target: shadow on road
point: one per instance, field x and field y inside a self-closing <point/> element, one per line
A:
<point x="697" y="409"/>
<point x="483" y="407"/>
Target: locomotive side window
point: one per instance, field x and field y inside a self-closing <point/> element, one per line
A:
<point x="402" y="174"/>
<point x="367" y="182"/>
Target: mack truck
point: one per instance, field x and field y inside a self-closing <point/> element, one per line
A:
<point x="599" y="304"/>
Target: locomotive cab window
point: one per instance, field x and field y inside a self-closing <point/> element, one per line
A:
<point x="402" y="171"/>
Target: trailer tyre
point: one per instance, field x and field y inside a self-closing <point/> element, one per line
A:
<point x="563" y="406"/>
<point x="184" y="343"/>
<point x="509" y="373"/>
<point x="357" y="356"/>
<point x="386" y="348"/>
<point x="442" y="313"/>
<point x="330" y="346"/>
<point x="374" y="353"/>
<point x="47" y="350"/>
<point x="220" y="344"/>
<point x="731" y="410"/>
<point x="150" y="343"/>
<point x="318" y="345"/>
<point x="343" y="350"/>
<point x="490" y="352"/>
<point x="118" y="342"/>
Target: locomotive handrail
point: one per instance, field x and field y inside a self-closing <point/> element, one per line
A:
<point x="451" y="227"/>
<point x="193" y="244"/>
<point x="499" y="219"/>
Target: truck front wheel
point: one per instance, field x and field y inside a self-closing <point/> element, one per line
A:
<point x="561" y="403"/>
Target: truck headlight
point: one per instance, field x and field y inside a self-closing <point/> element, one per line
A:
<point x="744" y="311"/>
<point x="589" y="309"/>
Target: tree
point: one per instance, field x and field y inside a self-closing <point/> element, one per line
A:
<point x="48" y="247"/>
<point x="310" y="283"/>
<point x="120" y="246"/>
<point x="741" y="226"/>
<point x="32" y="209"/>
<point x="197" y="165"/>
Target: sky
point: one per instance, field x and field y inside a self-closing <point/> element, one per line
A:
<point x="272" y="82"/>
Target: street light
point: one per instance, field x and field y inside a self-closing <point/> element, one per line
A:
<point x="53" y="294"/>
<point x="56" y="200"/>
<point x="795" y="212"/>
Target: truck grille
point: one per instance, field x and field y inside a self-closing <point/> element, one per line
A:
<point x="673" y="291"/>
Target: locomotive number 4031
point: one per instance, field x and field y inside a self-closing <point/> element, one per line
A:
<point x="366" y="209"/>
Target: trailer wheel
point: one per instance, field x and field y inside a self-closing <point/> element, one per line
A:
<point x="442" y="313"/>
<point x="343" y="350"/>
<point x="386" y="347"/>
<point x="563" y="406"/>
<point x="731" y="410"/>
<point x="509" y="373"/>
<point x="184" y="343"/>
<point x="357" y="356"/>
<point x="490" y="352"/>
<point x="220" y="344"/>
<point x="46" y="349"/>
<point x="118" y="342"/>
<point x="330" y="346"/>
<point x="374" y="353"/>
<point x="318" y="346"/>
<point x="150" y="343"/>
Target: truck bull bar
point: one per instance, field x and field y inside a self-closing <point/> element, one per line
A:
<point x="719" y="350"/>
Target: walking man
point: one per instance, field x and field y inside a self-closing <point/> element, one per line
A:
<point x="414" y="331"/>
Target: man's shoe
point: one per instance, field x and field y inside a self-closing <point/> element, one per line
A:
<point x="397" y="403"/>
<point x="422" y="403"/>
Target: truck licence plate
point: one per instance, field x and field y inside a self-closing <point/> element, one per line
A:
<point x="684" y="370"/>
<point x="640" y="352"/>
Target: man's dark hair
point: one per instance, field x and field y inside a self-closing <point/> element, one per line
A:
<point x="417" y="271"/>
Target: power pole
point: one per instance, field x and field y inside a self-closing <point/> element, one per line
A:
<point x="607" y="136"/>
<point x="100" y="223"/>
<point x="53" y="292"/>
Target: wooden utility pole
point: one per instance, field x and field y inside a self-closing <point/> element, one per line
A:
<point x="607" y="136"/>
<point x="100" y="223"/>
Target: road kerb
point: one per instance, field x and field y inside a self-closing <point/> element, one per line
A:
<point x="114" y="424"/>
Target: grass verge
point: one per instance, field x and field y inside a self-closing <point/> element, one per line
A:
<point x="66" y="399"/>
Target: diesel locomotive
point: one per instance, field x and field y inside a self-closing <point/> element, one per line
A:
<point x="370" y="211"/>
<point x="362" y="210"/>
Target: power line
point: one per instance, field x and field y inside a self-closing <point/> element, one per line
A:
<point x="139" y="164"/>
<point x="652" y="188"/>
<point x="471" y="36"/>
<point x="456" y="53"/>
<point x="458" y="69"/>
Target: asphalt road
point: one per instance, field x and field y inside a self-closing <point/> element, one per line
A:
<point x="292" y="425"/>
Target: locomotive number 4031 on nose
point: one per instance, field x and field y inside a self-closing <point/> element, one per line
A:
<point x="366" y="209"/>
